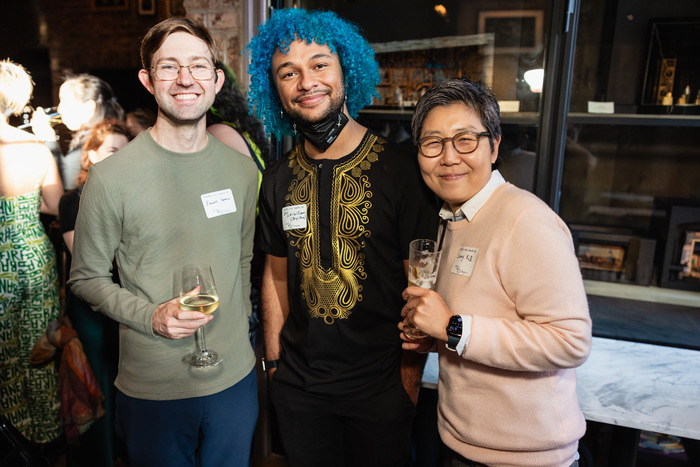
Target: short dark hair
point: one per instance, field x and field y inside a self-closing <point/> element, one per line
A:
<point x="475" y="95"/>
<point x="158" y="33"/>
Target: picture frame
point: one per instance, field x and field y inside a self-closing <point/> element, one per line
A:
<point x="110" y="5"/>
<point x="690" y="255"/>
<point x="682" y="245"/>
<point x="613" y="255"/>
<point x="601" y="257"/>
<point x="516" y="31"/>
<point x="147" y="7"/>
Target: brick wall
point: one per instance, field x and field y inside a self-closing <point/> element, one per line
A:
<point x="105" y="41"/>
<point x="223" y="19"/>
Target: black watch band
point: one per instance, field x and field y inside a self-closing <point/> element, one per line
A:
<point x="269" y="364"/>
<point x="454" y="332"/>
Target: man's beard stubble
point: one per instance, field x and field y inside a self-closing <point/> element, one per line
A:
<point x="177" y="121"/>
<point x="334" y="107"/>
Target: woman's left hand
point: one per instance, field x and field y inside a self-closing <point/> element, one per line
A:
<point x="421" y="345"/>
<point x="426" y="310"/>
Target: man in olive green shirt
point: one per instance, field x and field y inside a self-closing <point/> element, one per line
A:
<point x="175" y="196"/>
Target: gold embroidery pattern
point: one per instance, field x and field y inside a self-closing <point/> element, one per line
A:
<point x="331" y="293"/>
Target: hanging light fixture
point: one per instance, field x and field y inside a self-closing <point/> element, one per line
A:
<point x="441" y="10"/>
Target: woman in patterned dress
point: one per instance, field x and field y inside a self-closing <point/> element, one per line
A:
<point x="29" y="300"/>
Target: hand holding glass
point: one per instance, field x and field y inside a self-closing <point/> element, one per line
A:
<point x="198" y="293"/>
<point x="423" y="262"/>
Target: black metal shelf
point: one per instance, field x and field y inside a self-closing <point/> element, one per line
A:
<point x="635" y="119"/>
<point x="406" y="113"/>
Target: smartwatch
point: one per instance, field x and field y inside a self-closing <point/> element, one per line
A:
<point x="269" y="364"/>
<point x="454" y="332"/>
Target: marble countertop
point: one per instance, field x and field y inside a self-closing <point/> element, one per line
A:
<point x="643" y="386"/>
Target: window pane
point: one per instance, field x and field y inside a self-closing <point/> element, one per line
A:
<point x="495" y="42"/>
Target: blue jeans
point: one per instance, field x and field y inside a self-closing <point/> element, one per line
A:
<point x="209" y="431"/>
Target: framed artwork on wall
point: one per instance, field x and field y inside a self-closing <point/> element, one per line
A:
<point x="681" y="267"/>
<point x="147" y="7"/>
<point x="110" y="5"/>
<point x="516" y="31"/>
<point x="613" y="255"/>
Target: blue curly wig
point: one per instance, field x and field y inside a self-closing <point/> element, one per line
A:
<point x="360" y="69"/>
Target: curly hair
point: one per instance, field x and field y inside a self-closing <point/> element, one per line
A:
<point x="230" y="106"/>
<point x="360" y="69"/>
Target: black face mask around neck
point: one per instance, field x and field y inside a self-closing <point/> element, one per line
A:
<point x="323" y="133"/>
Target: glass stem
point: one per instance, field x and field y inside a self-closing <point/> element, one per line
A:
<point x="199" y="340"/>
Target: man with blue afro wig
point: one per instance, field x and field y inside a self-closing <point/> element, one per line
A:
<point x="360" y="69"/>
<point x="337" y="214"/>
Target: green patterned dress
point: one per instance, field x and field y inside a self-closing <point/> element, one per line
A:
<point x="29" y="396"/>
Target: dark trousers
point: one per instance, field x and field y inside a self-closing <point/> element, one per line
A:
<point x="324" y="432"/>
<point x="209" y="431"/>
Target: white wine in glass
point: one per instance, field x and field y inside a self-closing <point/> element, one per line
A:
<point x="202" y="303"/>
<point x="198" y="293"/>
<point x="423" y="262"/>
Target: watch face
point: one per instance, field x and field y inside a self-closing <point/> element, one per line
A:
<point x="455" y="325"/>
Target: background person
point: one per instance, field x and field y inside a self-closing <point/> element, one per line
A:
<point x="509" y="310"/>
<point x="139" y="120"/>
<point x="338" y="213"/>
<point x="84" y="101"/>
<point x="98" y="333"/>
<point x="195" y="203"/>
<point x="29" y="300"/>
<point x="230" y="122"/>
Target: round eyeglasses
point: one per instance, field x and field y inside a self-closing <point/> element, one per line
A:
<point x="464" y="143"/>
<point x="202" y="71"/>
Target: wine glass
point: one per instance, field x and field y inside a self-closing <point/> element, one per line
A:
<point x="423" y="261"/>
<point x="198" y="293"/>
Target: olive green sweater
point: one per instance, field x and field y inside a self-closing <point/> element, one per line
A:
<point x="143" y="206"/>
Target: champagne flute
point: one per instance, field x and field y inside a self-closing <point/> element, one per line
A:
<point x="198" y="293"/>
<point x="423" y="261"/>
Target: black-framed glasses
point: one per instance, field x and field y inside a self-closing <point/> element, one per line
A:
<point x="201" y="71"/>
<point x="464" y="143"/>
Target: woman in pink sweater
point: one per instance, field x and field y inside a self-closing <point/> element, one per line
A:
<point x="509" y="312"/>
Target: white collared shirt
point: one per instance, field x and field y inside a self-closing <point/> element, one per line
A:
<point x="468" y="210"/>
<point x="476" y="202"/>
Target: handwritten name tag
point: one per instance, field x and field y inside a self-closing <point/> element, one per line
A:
<point x="218" y="203"/>
<point x="294" y="217"/>
<point x="464" y="263"/>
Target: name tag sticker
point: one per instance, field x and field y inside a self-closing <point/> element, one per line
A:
<point x="218" y="203"/>
<point x="294" y="217"/>
<point x="601" y="107"/>
<point x="464" y="263"/>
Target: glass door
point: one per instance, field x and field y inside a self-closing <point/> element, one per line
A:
<point x="419" y="43"/>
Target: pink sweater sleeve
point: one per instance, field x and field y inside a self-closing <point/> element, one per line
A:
<point x="543" y="322"/>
